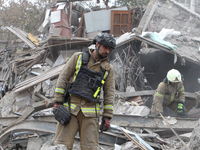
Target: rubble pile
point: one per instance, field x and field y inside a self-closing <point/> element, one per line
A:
<point x="161" y="36"/>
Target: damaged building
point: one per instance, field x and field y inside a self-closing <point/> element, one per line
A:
<point x="150" y="41"/>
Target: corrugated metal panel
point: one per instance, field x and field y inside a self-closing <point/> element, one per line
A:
<point x="23" y="36"/>
<point x="38" y="79"/>
<point x="99" y="20"/>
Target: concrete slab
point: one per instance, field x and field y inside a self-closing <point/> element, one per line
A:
<point x="32" y="144"/>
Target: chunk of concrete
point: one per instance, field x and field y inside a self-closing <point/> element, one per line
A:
<point x="58" y="147"/>
<point x="194" y="142"/>
<point x="34" y="144"/>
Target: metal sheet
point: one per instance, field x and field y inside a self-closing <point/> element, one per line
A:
<point x="99" y="20"/>
<point x="23" y="36"/>
<point x="38" y="79"/>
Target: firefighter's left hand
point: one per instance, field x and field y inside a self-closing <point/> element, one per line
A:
<point x="179" y="108"/>
<point x="105" y="124"/>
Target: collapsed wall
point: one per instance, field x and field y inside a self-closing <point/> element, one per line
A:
<point x="157" y="62"/>
<point x="171" y="16"/>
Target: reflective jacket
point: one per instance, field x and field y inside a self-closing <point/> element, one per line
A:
<point x="88" y="108"/>
<point x="165" y="94"/>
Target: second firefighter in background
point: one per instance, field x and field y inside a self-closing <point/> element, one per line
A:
<point x="170" y="93"/>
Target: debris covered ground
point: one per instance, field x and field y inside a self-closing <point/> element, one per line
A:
<point x="154" y="39"/>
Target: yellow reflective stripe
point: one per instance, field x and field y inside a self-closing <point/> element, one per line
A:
<point x="172" y="98"/>
<point x="105" y="75"/>
<point x="90" y="110"/>
<point x="180" y="90"/>
<point x="60" y="90"/>
<point x="79" y="62"/>
<point x="78" y="65"/>
<point x="72" y="106"/>
<point x="102" y="81"/>
<point x="108" y="107"/>
<point x="97" y="91"/>
<point x="159" y="95"/>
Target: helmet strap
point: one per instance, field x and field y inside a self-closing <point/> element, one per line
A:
<point x="97" y="49"/>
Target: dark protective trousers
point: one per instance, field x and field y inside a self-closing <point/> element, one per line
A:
<point x="88" y="128"/>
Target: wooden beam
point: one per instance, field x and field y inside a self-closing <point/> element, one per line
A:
<point x="81" y="25"/>
<point x="134" y="141"/>
<point x="38" y="59"/>
<point x="174" y="132"/>
<point x="42" y="97"/>
<point x="151" y="7"/>
<point x="70" y="17"/>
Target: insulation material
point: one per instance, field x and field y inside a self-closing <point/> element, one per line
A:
<point x="55" y="16"/>
<point x="159" y="37"/>
<point x="156" y="37"/>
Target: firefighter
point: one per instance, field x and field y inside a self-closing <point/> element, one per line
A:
<point x="170" y="93"/>
<point x="87" y="71"/>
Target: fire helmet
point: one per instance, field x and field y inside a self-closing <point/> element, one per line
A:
<point x="173" y="75"/>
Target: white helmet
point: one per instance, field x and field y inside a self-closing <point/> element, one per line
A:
<point x="174" y="75"/>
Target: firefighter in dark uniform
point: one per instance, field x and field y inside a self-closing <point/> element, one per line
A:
<point x="88" y="72"/>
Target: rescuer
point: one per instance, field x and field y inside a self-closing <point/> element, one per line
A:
<point x="88" y="72"/>
<point x="170" y="93"/>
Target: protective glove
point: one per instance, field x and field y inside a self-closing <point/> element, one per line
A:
<point x="158" y="115"/>
<point x="179" y="108"/>
<point x="55" y="106"/>
<point x="105" y="124"/>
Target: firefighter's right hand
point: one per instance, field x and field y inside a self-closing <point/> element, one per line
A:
<point x="55" y="106"/>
